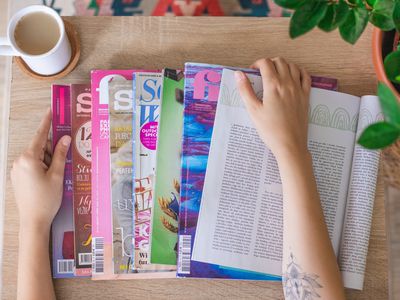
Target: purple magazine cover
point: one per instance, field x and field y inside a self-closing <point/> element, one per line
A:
<point x="202" y="83"/>
<point x="63" y="224"/>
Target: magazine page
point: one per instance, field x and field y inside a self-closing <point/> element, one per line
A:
<point x="202" y="88"/>
<point x="164" y="226"/>
<point x="360" y="200"/>
<point x="81" y="148"/>
<point x="121" y="115"/>
<point x="240" y="221"/>
<point x="62" y="229"/>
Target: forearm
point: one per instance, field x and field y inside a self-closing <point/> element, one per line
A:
<point x="34" y="273"/>
<point x="305" y="237"/>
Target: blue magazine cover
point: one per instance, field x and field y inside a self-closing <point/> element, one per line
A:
<point x="202" y="83"/>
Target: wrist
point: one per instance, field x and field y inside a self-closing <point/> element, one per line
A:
<point x="34" y="227"/>
<point x="292" y="155"/>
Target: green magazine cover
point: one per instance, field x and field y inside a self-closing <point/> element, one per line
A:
<point x="164" y="227"/>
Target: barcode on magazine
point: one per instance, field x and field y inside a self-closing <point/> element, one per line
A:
<point x="65" y="266"/>
<point x="98" y="255"/>
<point x="85" y="259"/>
<point x="185" y="248"/>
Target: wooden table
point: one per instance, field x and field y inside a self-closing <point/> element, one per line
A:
<point x="151" y="42"/>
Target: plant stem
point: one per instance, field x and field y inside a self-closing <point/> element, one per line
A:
<point x="369" y="8"/>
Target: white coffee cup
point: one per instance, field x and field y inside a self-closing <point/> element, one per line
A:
<point x="49" y="63"/>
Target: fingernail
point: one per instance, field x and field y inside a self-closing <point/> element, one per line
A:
<point x="239" y="75"/>
<point x="66" y="141"/>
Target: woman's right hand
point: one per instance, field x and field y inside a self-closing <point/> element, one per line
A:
<point x="281" y="118"/>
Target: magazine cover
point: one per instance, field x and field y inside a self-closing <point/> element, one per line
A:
<point x="81" y="174"/>
<point x="102" y="246"/>
<point x="62" y="228"/>
<point x="147" y="90"/>
<point x="101" y="189"/>
<point x="202" y="84"/>
<point x="121" y="115"/>
<point x="164" y="227"/>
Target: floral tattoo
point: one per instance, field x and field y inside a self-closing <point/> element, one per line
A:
<point x="298" y="285"/>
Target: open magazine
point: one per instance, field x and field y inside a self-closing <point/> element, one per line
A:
<point x="201" y="92"/>
<point x="240" y="220"/>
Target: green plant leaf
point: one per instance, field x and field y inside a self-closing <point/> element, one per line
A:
<point x="382" y="14"/>
<point x="379" y="135"/>
<point x="335" y="16"/>
<point x="389" y="104"/>
<point x="354" y="25"/>
<point x="357" y="3"/>
<point x="392" y="66"/>
<point x="396" y="15"/>
<point x="306" y="17"/>
<point x="371" y="2"/>
<point x="290" y="4"/>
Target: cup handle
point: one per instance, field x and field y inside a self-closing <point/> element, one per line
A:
<point x="6" y="49"/>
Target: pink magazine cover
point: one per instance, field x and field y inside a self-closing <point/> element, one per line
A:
<point x="62" y="229"/>
<point x="102" y="244"/>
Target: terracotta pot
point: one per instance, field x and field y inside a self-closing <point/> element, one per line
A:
<point x="377" y="40"/>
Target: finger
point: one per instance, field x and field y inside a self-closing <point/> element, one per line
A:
<point x="60" y="154"/>
<point x="246" y="91"/>
<point x="49" y="147"/>
<point x="295" y="73"/>
<point x="38" y="143"/>
<point x="305" y="80"/>
<point x="267" y="69"/>
<point x="281" y="67"/>
<point x="47" y="159"/>
<point x="46" y="151"/>
<point x="45" y="165"/>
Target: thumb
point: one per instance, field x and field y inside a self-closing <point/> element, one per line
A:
<point x="246" y="91"/>
<point x="59" y="156"/>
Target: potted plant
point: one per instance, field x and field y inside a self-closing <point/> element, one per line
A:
<point x="351" y="17"/>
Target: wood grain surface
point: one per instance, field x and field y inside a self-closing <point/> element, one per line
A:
<point x="151" y="42"/>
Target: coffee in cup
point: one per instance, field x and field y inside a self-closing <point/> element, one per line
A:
<point x="36" y="33"/>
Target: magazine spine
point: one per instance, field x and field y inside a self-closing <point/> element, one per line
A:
<point x="81" y="171"/>
<point x="63" y="227"/>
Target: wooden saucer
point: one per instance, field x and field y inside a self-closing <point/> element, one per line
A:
<point x="75" y="54"/>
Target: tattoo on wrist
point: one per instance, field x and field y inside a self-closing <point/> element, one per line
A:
<point x="298" y="285"/>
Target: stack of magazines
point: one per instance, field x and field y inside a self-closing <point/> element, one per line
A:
<point x="167" y="177"/>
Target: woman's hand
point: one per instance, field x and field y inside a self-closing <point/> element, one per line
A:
<point x="37" y="178"/>
<point x="281" y="118"/>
